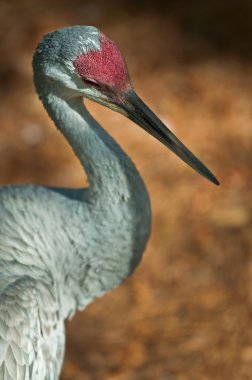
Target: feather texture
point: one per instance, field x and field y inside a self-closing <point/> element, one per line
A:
<point x="31" y="341"/>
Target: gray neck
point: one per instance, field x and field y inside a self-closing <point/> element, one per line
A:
<point x="111" y="173"/>
<point x="120" y="204"/>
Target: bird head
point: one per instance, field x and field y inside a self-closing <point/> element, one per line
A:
<point x="82" y="61"/>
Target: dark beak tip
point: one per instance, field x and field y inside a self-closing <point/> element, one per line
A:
<point x="216" y="182"/>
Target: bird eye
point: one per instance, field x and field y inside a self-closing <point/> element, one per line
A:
<point x="90" y="82"/>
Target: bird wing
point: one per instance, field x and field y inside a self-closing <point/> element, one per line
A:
<point x="31" y="347"/>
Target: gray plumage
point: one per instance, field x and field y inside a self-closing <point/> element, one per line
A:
<point x="61" y="248"/>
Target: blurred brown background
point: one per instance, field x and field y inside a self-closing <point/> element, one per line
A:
<point x="186" y="311"/>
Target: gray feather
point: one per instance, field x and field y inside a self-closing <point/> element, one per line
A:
<point x="62" y="248"/>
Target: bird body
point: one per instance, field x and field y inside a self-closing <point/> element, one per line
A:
<point x="61" y="248"/>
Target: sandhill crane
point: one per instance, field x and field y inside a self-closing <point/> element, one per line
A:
<point x="60" y="248"/>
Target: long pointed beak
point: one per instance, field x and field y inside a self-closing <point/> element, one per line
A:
<point x="138" y="112"/>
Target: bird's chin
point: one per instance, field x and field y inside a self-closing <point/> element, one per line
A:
<point x="111" y="105"/>
<point x="117" y="108"/>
